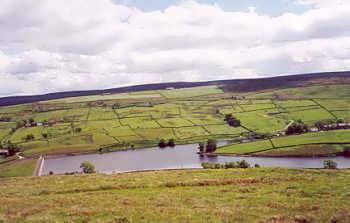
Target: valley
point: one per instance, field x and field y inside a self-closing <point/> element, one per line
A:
<point x="113" y="122"/>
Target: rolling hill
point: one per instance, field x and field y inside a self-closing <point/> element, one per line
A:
<point x="240" y="85"/>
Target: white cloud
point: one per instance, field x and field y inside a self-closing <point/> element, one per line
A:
<point x="324" y="3"/>
<point x="60" y="45"/>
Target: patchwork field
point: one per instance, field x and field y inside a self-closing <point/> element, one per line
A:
<point x="139" y="119"/>
<point x="134" y="120"/>
<point x="341" y="138"/>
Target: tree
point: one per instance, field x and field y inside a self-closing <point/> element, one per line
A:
<point x="230" y="165"/>
<point x="297" y="128"/>
<point x="330" y="164"/>
<point x="211" y="146"/>
<point x="201" y="147"/>
<point x="171" y="142"/>
<point x="87" y="167"/>
<point x="44" y="135"/>
<point x="319" y="125"/>
<point x="20" y="124"/>
<point x="12" y="149"/>
<point x="31" y="120"/>
<point x="115" y="106"/>
<point x="5" y="119"/>
<point x="162" y="143"/>
<point x="228" y="117"/>
<point x="339" y="121"/>
<point x="29" y="137"/>
<point x="232" y="121"/>
<point x="243" y="164"/>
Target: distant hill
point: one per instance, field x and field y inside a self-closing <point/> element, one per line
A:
<point x="238" y="85"/>
<point x="248" y="85"/>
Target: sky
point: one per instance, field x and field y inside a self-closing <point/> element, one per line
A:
<point x="63" y="45"/>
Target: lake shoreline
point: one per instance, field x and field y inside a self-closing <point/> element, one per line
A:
<point x="182" y="157"/>
<point x="286" y="156"/>
<point x="61" y="155"/>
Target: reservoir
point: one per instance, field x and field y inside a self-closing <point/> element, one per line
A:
<point x="179" y="157"/>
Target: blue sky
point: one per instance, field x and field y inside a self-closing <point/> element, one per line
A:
<point x="268" y="7"/>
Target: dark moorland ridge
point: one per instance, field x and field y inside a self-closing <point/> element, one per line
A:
<point x="238" y="85"/>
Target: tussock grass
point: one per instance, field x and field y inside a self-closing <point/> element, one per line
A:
<point x="225" y="195"/>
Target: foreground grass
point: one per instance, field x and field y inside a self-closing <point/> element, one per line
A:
<point x="233" y="195"/>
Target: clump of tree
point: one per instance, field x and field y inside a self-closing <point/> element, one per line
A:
<point x="228" y="165"/>
<point x="330" y="164"/>
<point x="5" y="119"/>
<point x="209" y="165"/>
<point x="346" y="152"/>
<point x="340" y="121"/>
<point x="208" y="147"/>
<point x="115" y="106"/>
<point x="163" y="143"/>
<point x="329" y="124"/>
<point x="77" y="130"/>
<point x="20" y="124"/>
<point x="321" y="124"/>
<point x="12" y="149"/>
<point x="211" y="145"/>
<point x="25" y="122"/>
<point x="29" y="137"/>
<point x="232" y="121"/>
<point x="87" y="167"/>
<point x="171" y="142"/>
<point x="297" y="127"/>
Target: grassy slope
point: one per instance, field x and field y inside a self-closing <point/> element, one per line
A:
<point x="234" y="195"/>
<point x="304" y="150"/>
<point x="22" y="168"/>
<point x="281" y="143"/>
<point x="187" y="115"/>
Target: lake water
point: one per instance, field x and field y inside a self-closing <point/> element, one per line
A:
<point x="181" y="156"/>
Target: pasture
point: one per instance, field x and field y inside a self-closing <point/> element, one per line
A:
<point x="338" y="139"/>
<point x="118" y="121"/>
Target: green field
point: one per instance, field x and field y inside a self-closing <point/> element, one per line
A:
<point x="186" y="115"/>
<point x="22" y="168"/>
<point x="106" y="97"/>
<point x="191" y="92"/>
<point x="232" y="195"/>
<point x="246" y="148"/>
<point x="192" y="115"/>
<point x="338" y="137"/>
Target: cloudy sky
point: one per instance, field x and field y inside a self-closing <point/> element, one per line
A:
<point x="61" y="45"/>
